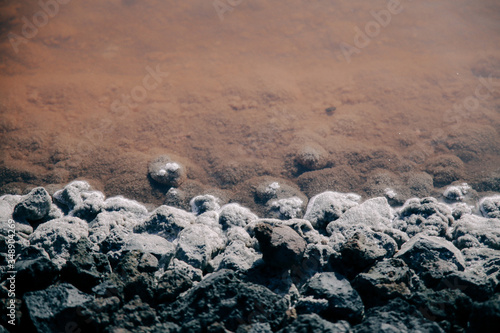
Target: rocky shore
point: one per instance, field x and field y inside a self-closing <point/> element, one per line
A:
<point x="335" y="262"/>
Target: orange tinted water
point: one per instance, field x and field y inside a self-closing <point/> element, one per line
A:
<point x="244" y="93"/>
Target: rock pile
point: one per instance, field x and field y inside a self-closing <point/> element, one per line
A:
<point x="87" y="263"/>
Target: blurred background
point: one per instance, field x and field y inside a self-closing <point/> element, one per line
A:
<point x="379" y="91"/>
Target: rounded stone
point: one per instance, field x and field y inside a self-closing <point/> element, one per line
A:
<point x="165" y="170"/>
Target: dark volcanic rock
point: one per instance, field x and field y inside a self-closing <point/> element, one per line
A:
<point x="388" y="279"/>
<point x="332" y="297"/>
<point x="35" y="274"/>
<point x="281" y="246"/>
<point x="431" y="257"/>
<point x="223" y="298"/>
<point x="54" y="308"/>
<point x="314" y="323"/>
<point x="485" y="317"/>
<point x="397" y="316"/>
<point x="34" y="206"/>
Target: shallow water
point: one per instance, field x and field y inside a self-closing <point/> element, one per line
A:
<point x="103" y="87"/>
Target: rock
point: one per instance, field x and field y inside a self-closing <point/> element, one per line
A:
<point x="84" y="268"/>
<point x="198" y="244"/>
<point x="7" y="204"/>
<point x="53" y="308"/>
<point x="166" y="222"/>
<point x="166" y="171"/>
<point x="281" y="246"/>
<point x="342" y="301"/>
<point x="329" y="206"/>
<point x="397" y="316"/>
<point x="204" y="203"/>
<point x="159" y="247"/>
<point x="374" y="213"/>
<point x="388" y="279"/>
<point x="305" y="229"/>
<point x="34" y="206"/>
<point x="121" y="204"/>
<point x="237" y="256"/>
<point x="457" y="192"/>
<point x="460" y="209"/>
<point x="363" y="249"/>
<point x="234" y="215"/>
<point x="476" y="231"/>
<point x="314" y="323"/>
<point x="267" y="189"/>
<point x="490" y="206"/>
<point x="481" y="277"/>
<point x="254" y="328"/>
<point x="96" y="315"/>
<point x="432" y="258"/>
<point x="485" y="317"/>
<point x="135" y="315"/>
<point x="426" y="216"/>
<point x="223" y="298"/>
<point x="58" y="237"/>
<point x="445" y="169"/>
<point x="107" y="222"/>
<point x="192" y="273"/>
<point x="172" y="284"/>
<point x="285" y="209"/>
<point x="385" y="183"/>
<point x="450" y="305"/>
<point x="311" y="157"/>
<point x="240" y="234"/>
<point x="78" y="199"/>
<point x="35" y="270"/>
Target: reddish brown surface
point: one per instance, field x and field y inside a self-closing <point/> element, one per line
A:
<point x="244" y="92"/>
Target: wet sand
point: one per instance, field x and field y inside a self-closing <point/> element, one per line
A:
<point x="88" y="95"/>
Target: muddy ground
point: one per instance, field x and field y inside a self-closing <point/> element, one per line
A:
<point x="414" y="105"/>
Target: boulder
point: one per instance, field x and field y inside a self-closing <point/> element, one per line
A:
<point x="223" y="298"/>
<point x="432" y="258"/>
<point x="396" y="316"/>
<point x="490" y="206"/>
<point x="197" y="244"/>
<point x="280" y="245"/>
<point x="58" y="237"/>
<point x="34" y="206"/>
<point x="166" y="171"/>
<point x="287" y="208"/>
<point x="314" y="323"/>
<point x="234" y="215"/>
<point x="329" y="206"/>
<point x="166" y="222"/>
<point x="426" y="216"/>
<point x="52" y="309"/>
<point x="331" y="296"/>
<point x="476" y="231"/>
<point x="204" y="203"/>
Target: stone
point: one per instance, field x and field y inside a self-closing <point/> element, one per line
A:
<point x="197" y="244"/>
<point x="490" y="206"/>
<point x="34" y="206"/>
<point x="476" y="231"/>
<point x="387" y="279"/>
<point x="305" y="229"/>
<point x="223" y="298"/>
<point x="121" y="204"/>
<point x="363" y="249"/>
<point x="337" y="299"/>
<point x="204" y="203"/>
<point x="234" y="215"/>
<point x="171" y="284"/>
<point x="159" y="247"/>
<point x="457" y="192"/>
<point x="312" y="157"/>
<point x="135" y="314"/>
<point x="314" y="323"/>
<point x="426" y="216"/>
<point x="237" y="256"/>
<point x="329" y="206"/>
<point x="35" y="273"/>
<point x="166" y="171"/>
<point x="432" y="258"/>
<point x="281" y="246"/>
<point x="396" y="316"/>
<point x="52" y="309"/>
<point x="78" y="199"/>
<point x="166" y="222"/>
<point x="84" y="268"/>
<point x="445" y="169"/>
<point x="285" y="209"/>
<point x="485" y="317"/>
<point x="58" y="237"/>
<point x="374" y="213"/>
<point x="105" y="222"/>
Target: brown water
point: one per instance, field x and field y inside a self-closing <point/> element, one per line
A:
<point x="245" y="92"/>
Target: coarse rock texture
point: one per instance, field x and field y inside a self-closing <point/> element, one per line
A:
<point x="281" y="246"/>
<point x="166" y="171"/>
<point x="347" y="266"/>
<point x="34" y="206"/>
<point x="329" y="206"/>
<point x="490" y="206"/>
